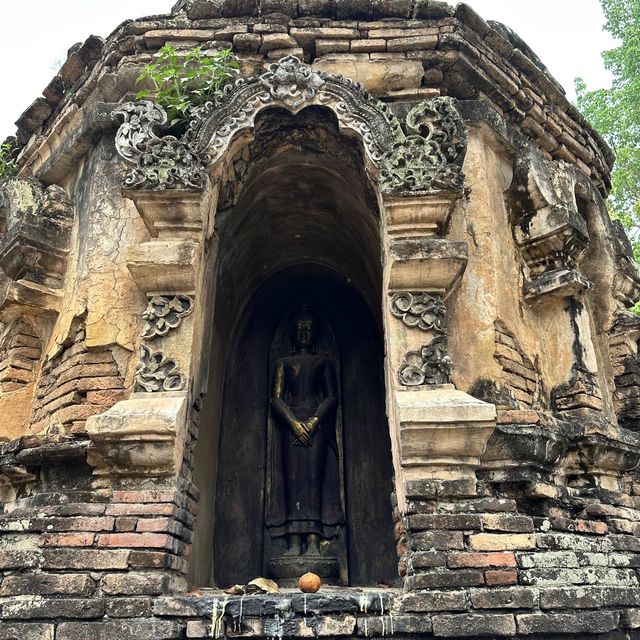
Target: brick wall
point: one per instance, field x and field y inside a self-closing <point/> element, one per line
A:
<point x="75" y="384"/>
<point x="519" y="374"/>
<point x="19" y="357"/>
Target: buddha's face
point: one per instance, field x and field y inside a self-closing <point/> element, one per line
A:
<point x="304" y="332"/>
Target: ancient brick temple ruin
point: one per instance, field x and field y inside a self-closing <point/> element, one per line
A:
<point x="407" y="186"/>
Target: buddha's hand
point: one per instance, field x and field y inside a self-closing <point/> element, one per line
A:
<point x="300" y="433"/>
<point x="311" y="425"/>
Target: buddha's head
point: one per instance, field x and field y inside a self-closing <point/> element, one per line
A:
<point x="304" y="328"/>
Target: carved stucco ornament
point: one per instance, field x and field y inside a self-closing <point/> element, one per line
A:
<point x="430" y="157"/>
<point x="164" y="313"/>
<point x="425" y="159"/>
<point x="155" y="372"/>
<point x="159" y="162"/>
<point x="428" y="365"/>
<point x="293" y="85"/>
<point x="422" y="310"/>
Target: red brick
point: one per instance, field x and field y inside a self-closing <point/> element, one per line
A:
<point x="105" y="398"/>
<point x="160" y="525"/>
<point x="126" y="524"/>
<point x="479" y="560"/>
<point x="518" y="417"/>
<point x="502" y="578"/>
<point x="144" y="496"/>
<point x="135" y="509"/>
<point x="131" y="540"/>
<point x="66" y="539"/>
<point x="590" y="526"/>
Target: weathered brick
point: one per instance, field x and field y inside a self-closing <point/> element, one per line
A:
<point x="412" y="43"/>
<point x="17" y="559"/>
<point x="139" y="629"/>
<point x="142" y="497"/>
<point x="324" y="46"/>
<point x="66" y="539"/>
<point x="135" y="584"/>
<point x="47" y="584"/>
<point x="105" y="398"/>
<point x="434" y="601"/>
<point x="274" y="41"/>
<point x="30" y="608"/>
<point x="625" y="543"/>
<point x="560" y="559"/>
<point x="381" y="626"/>
<point x="500" y="578"/>
<point x="159" y="525"/>
<point x="469" y="625"/>
<point x="149" y="509"/>
<point x="26" y="631"/>
<point x="573" y="542"/>
<point x="247" y="42"/>
<point x="387" y="32"/>
<point x="198" y="629"/>
<point x="85" y="559"/>
<point x="505" y="522"/>
<point x="437" y="540"/>
<point x="501" y="541"/>
<point x="440" y="579"/>
<point x="126" y="524"/>
<point x="480" y="560"/>
<point x="133" y="540"/>
<point x="588" y="597"/>
<point x="368" y="46"/>
<point x="513" y="598"/>
<point x="422" y="560"/>
<point x="584" y="622"/>
<point x="422" y="521"/>
<point x="139" y="607"/>
<point x="582" y="575"/>
<point x="153" y="560"/>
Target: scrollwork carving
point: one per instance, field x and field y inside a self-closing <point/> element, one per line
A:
<point x="428" y="365"/>
<point x="291" y="81"/>
<point x="292" y="84"/>
<point x="164" y="313"/>
<point x="438" y="120"/>
<point x="159" y="162"/>
<point x="155" y="372"/>
<point x="422" y="310"/>
<point x="430" y="158"/>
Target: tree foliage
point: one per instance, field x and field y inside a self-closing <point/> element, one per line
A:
<point x="184" y="80"/>
<point x="615" y="112"/>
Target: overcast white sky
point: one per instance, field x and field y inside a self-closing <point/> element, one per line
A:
<point x="35" y="35"/>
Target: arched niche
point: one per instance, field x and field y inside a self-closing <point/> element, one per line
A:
<point x="300" y="219"/>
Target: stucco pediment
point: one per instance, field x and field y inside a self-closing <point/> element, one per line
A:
<point x="424" y="154"/>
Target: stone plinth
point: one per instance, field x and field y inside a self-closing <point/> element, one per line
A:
<point x="167" y="266"/>
<point x="169" y="212"/>
<point x="138" y="437"/>
<point x="443" y="432"/>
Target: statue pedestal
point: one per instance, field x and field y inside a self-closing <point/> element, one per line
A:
<point x="286" y="570"/>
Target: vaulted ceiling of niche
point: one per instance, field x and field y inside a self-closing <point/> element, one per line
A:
<point x="303" y="199"/>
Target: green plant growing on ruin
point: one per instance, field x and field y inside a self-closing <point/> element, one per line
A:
<point x="182" y="81"/>
<point x="8" y="164"/>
